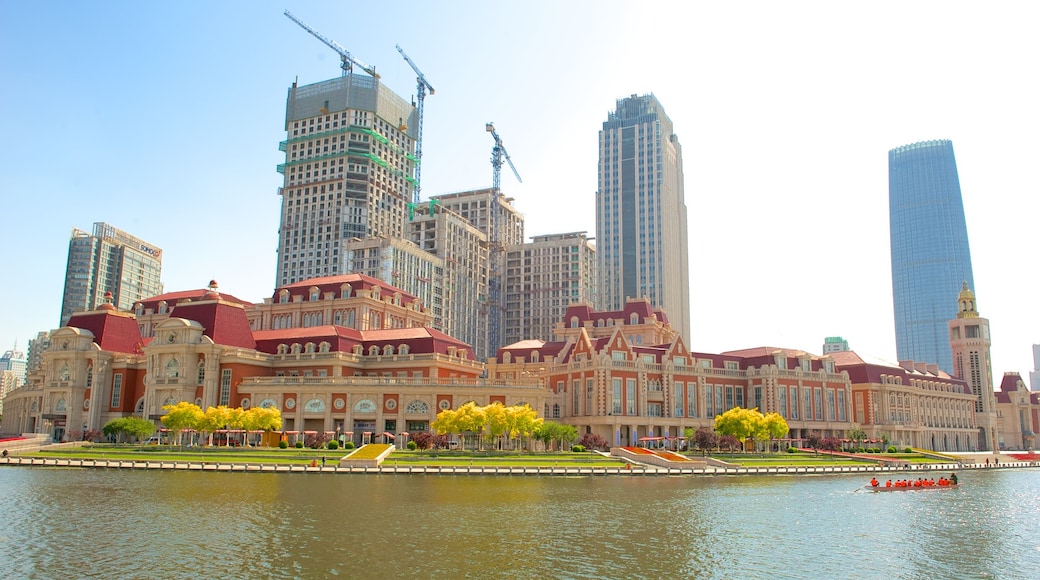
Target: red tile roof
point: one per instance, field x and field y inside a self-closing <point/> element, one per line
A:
<point x="172" y="298"/>
<point x="113" y="331"/>
<point x="420" y="340"/>
<point x="224" y="322"/>
<point x="356" y="280"/>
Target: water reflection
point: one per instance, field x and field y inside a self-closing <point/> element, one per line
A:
<point x="105" y="523"/>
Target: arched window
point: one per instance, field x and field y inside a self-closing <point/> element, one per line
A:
<point x="417" y="407"/>
<point x="266" y="404"/>
<point x="63" y="374"/>
<point x="172" y="369"/>
<point x="388" y="350"/>
<point x="295" y="348"/>
<point x="344" y="291"/>
<point x="633" y="318"/>
<point x="535" y="356"/>
<point x="324" y="346"/>
<point x="202" y="371"/>
<point x="375" y="292"/>
<point x="357" y="349"/>
<point x="139" y="409"/>
<point x="283" y="297"/>
<point x="574" y="322"/>
<point x="138" y="309"/>
<point x="373" y="350"/>
<point x="403" y="349"/>
<point x="599" y="322"/>
<point x="507" y="357"/>
<point x="365" y="406"/>
<point x="350" y="318"/>
<point x="314" y="406"/>
<point x="60" y="406"/>
<point x="309" y="348"/>
<point x="162" y="307"/>
<point x="283" y="348"/>
<point x="314" y="294"/>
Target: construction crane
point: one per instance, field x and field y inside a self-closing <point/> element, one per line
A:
<point x="422" y="85"/>
<point x="498" y="153"/>
<point x="347" y="62"/>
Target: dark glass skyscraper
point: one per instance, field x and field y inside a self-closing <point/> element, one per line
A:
<point x="930" y="256"/>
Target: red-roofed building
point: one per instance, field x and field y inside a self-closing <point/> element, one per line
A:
<point x="1018" y="414"/>
<point x="386" y="373"/>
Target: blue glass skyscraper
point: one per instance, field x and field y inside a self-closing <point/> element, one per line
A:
<point x="930" y="256"/>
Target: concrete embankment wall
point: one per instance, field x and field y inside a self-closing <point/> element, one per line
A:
<point x="914" y="470"/>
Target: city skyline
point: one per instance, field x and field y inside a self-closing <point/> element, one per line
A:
<point x="785" y="115"/>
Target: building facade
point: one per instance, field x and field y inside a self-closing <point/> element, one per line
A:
<point x="387" y="374"/>
<point x="1018" y="414"/>
<point x="348" y="172"/>
<point x="929" y="244"/>
<point x="542" y="278"/>
<point x="641" y="225"/>
<point x="109" y="260"/>
<point x="404" y="265"/>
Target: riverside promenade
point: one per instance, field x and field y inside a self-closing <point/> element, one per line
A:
<point x="630" y="470"/>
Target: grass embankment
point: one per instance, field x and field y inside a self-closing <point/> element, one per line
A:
<point x="293" y="456"/>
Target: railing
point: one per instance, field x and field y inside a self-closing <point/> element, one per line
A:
<point x="395" y="381"/>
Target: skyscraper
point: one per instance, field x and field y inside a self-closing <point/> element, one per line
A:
<point x="641" y="212"/>
<point x="930" y="256"/>
<point x="109" y="260"/>
<point x="348" y="172"/>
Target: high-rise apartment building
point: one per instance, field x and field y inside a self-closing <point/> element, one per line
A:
<point x="463" y="249"/>
<point x="37" y="346"/>
<point x="485" y="210"/>
<point x="404" y="265"/>
<point x="1034" y="375"/>
<point x="970" y="343"/>
<point x="542" y="278"/>
<point x="930" y="256"/>
<point x="641" y="212"/>
<point x="109" y="260"/>
<point x="835" y="344"/>
<point x="348" y="172"/>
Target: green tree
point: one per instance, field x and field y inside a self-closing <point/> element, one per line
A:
<point x="856" y="435"/>
<point x="265" y="419"/>
<point x="181" y="417"/>
<point x="135" y="427"/>
<point x="773" y="426"/>
<point x="551" y="431"/>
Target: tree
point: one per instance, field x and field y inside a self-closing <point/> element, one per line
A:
<point x="130" y="426"/>
<point x="593" y="441"/>
<point x="773" y="427"/>
<point x="706" y="439"/>
<point x="856" y="435"/>
<point x="423" y="440"/>
<point x="214" y="419"/>
<point x="262" y="419"/>
<point x="814" y="441"/>
<point x="739" y="423"/>
<point x="551" y="431"/>
<point x="729" y="442"/>
<point x="180" y="417"/>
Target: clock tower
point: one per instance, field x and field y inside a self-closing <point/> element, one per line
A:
<point x="970" y="347"/>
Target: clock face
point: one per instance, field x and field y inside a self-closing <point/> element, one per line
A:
<point x="171" y="338"/>
<point x="290" y="403"/>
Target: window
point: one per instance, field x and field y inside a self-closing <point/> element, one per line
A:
<point x="172" y="368"/>
<point x="691" y="399"/>
<point x="841" y="406"/>
<point x="653" y="409"/>
<point x="556" y="411"/>
<point x="794" y="402"/>
<point x="589" y="389"/>
<point x="678" y="399"/>
<point x="819" y="403"/>
<point x="90" y="375"/>
<point x="618" y="355"/>
<point x="63" y="374"/>
<point x="630" y="396"/>
<point x="709" y="401"/>
<point x="616" y="388"/>
<point x="830" y="404"/>
<point x="575" y="396"/>
<point x="417" y="407"/>
<point x="117" y="389"/>
<point x="807" y="403"/>
<point x="781" y="398"/>
<point x="364" y="406"/>
<point x="225" y="387"/>
<point x="202" y="371"/>
<point x="314" y="406"/>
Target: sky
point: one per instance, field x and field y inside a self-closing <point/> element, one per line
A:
<point x="164" y="118"/>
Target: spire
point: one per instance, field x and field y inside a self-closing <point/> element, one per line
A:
<point x="966" y="303"/>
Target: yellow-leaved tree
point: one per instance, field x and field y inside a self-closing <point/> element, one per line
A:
<point x="180" y="417"/>
<point x="265" y="419"/>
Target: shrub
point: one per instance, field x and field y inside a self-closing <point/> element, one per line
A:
<point x="299" y="445"/>
<point x="412" y="445"/>
<point x="792" y="450"/>
<point x="348" y="445"/>
<point x="333" y="444"/>
<point x="283" y="444"/>
<point x="578" y="448"/>
<point x="860" y="450"/>
<point x="908" y="450"/>
<point x="892" y="449"/>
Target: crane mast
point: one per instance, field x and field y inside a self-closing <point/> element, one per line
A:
<point x="422" y="85"/>
<point x="347" y="62"/>
<point x="498" y="155"/>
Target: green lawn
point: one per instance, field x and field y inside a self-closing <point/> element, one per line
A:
<point x="455" y="458"/>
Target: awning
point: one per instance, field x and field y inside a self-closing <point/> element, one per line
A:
<point x="388" y="434"/>
<point x="291" y="432"/>
<point x="310" y="432"/>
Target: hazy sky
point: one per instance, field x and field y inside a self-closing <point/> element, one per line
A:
<point x="164" y="118"/>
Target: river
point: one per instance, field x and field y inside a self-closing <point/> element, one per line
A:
<point x="96" y="523"/>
